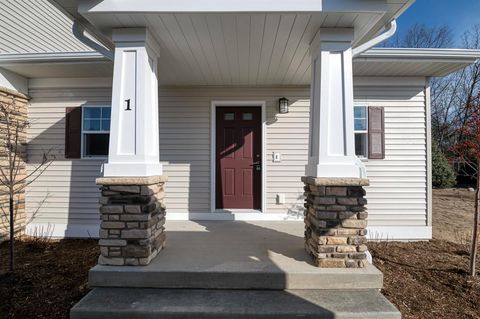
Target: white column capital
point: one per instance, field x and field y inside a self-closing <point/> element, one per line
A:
<point x="134" y="132"/>
<point x="332" y="144"/>
<point x="128" y="37"/>
<point x="333" y="35"/>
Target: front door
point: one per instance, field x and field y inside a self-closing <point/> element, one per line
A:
<point x="238" y="158"/>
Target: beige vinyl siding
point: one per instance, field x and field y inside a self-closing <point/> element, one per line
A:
<point x="36" y="26"/>
<point x="398" y="184"/>
<point x="185" y="143"/>
<point x="397" y="195"/>
<point x="66" y="191"/>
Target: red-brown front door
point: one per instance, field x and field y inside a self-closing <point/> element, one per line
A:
<point x="238" y="157"/>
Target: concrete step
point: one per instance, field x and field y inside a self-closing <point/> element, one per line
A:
<point x="131" y="303"/>
<point x="234" y="255"/>
<point x="235" y="276"/>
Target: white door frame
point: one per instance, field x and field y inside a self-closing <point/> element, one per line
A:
<point x="213" y="127"/>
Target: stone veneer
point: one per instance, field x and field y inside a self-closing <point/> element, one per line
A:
<point x="336" y="221"/>
<point x="17" y="105"/>
<point x="132" y="231"/>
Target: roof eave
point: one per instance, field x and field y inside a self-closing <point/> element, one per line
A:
<point x="51" y="57"/>
<point x="403" y="54"/>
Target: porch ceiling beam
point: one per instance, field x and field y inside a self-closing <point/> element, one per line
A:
<point x="89" y="7"/>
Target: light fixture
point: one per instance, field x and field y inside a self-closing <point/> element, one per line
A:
<point x="283" y="105"/>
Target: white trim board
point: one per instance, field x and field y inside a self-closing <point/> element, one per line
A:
<point x="63" y="230"/>
<point x="380" y="233"/>
<point x="89" y="8"/>
<point x="69" y="83"/>
<point x="428" y="132"/>
<point x="235" y="216"/>
<point x="392" y="233"/>
<point x="213" y="113"/>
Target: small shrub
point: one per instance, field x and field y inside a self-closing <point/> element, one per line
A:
<point x="443" y="175"/>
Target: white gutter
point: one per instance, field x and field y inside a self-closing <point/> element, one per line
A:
<point x="372" y="55"/>
<point x="50" y="57"/>
<point x="432" y="54"/>
<point x="389" y="32"/>
<point x="79" y="33"/>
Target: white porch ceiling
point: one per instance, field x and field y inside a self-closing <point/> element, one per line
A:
<point x="107" y="14"/>
<point x="238" y="49"/>
<point x="230" y="42"/>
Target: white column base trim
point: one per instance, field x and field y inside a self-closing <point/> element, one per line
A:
<point x="232" y="215"/>
<point x="132" y="169"/>
<point x="63" y="230"/>
<point x="380" y="233"/>
<point x="395" y="233"/>
<point x="355" y="169"/>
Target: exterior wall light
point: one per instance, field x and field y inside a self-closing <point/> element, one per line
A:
<point x="283" y="105"/>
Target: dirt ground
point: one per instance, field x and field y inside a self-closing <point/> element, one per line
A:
<point x="425" y="280"/>
<point x="50" y="278"/>
<point x="428" y="280"/>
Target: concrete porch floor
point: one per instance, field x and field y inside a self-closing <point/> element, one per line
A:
<point x="234" y="255"/>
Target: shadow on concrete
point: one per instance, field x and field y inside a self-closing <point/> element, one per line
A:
<point x="229" y="267"/>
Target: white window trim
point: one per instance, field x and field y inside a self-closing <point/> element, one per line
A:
<point x="82" y="144"/>
<point x="213" y="112"/>
<point x="363" y="158"/>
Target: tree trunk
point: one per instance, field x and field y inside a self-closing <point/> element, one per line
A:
<point x="474" y="248"/>
<point x="12" y="231"/>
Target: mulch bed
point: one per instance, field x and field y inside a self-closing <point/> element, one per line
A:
<point x="428" y="279"/>
<point x="423" y="279"/>
<point x="50" y="277"/>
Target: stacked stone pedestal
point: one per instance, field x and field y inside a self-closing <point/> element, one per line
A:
<point x="336" y="222"/>
<point x="132" y="230"/>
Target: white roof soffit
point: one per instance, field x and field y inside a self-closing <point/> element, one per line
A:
<point x="57" y="65"/>
<point x="388" y="62"/>
<point x="413" y="61"/>
<point x="368" y="17"/>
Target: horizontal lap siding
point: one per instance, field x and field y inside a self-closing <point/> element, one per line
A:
<point x="34" y="27"/>
<point x="185" y="144"/>
<point x="185" y="152"/>
<point x="397" y="192"/>
<point x="66" y="191"/>
<point x="397" y="195"/>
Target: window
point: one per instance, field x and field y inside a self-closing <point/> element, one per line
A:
<point x="247" y="116"/>
<point x="95" y="131"/>
<point x="229" y="116"/>
<point x="361" y="130"/>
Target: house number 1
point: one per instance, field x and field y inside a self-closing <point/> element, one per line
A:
<point x="128" y="105"/>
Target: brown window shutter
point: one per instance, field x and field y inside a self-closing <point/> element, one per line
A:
<point x="73" y="132"/>
<point x="376" y="133"/>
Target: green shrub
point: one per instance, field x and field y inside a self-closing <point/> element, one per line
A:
<point x="443" y="175"/>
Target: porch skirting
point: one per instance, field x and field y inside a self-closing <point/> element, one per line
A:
<point x="132" y="230"/>
<point x="336" y="221"/>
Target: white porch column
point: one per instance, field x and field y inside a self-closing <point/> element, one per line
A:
<point x="134" y="135"/>
<point x="332" y="148"/>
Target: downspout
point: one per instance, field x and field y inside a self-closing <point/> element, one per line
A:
<point x="390" y="30"/>
<point x="79" y="33"/>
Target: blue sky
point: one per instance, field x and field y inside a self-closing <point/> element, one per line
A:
<point x="457" y="14"/>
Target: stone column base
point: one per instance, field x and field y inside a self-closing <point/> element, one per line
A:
<point x="336" y="221"/>
<point x="132" y="231"/>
